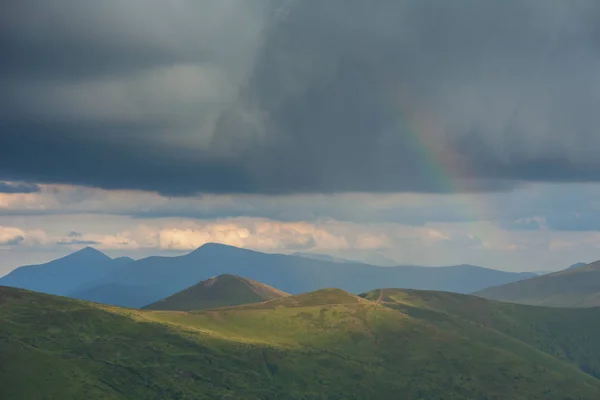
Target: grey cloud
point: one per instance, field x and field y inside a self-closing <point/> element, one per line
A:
<point x="529" y="207"/>
<point x="76" y="241"/>
<point x="10" y="187"/>
<point x="523" y="225"/>
<point x="386" y="98"/>
<point x="66" y="40"/>
<point x="562" y="207"/>
<point x="101" y="159"/>
<point x="565" y="207"/>
<point x="75" y="237"/>
<point x="334" y="96"/>
<point x="12" y="241"/>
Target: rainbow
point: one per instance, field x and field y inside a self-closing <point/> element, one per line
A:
<point x="452" y="175"/>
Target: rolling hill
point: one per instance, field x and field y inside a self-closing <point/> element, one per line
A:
<point x="327" y="344"/>
<point x="148" y="280"/>
<point x="223" y="290"/>
<point x="573" y="287"/>
<point x="565" y="333"/>
<point x="65" y="275"/>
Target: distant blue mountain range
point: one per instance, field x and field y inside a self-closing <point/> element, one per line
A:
<point x="91" y="275"/>
<point x="63" y="275"/>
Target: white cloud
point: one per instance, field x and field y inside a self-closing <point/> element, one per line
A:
<point x="355" y="226"/>
<point x="255" y="233"/>
<point x="12" y="236"/>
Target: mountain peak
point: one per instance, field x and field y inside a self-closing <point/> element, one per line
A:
<point x="89" y="252"/>
<point x="212" y="247"/>
<point x="61" y="276"/>
<point x="220" y="291"/>
<point x="88" y="249"/>
<point x="123" y="258"/>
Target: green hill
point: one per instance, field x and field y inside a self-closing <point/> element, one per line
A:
<point x="573" y="287"/>
<point x="327" y="344"/>
<point x="569" y="334"/>
<point x="224" y="290"/>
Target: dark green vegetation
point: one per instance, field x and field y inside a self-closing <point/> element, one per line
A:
<point x="129" y="283"/>
<point x="578" y="286"/>
<point x="224" y="290"/>
<point x="327" y="344"/>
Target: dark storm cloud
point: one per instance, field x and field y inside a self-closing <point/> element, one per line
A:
<point x="10" y="187"/>
<point x="102" y="159"/>
<point x="333" y="96"/>
<point x="86" y="40"/>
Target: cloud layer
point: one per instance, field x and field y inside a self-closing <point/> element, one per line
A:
<point x="16" y="187"/>
<point x="183" y="235"/>
<point x="300" y="96"/>
<point x="564" y="207"/>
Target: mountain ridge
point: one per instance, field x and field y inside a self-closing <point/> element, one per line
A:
<point x="571" y="287"/>
<point x="141" y="282"/>
<point x="164" y="276"/>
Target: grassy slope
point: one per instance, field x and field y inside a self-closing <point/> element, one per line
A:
<point x="577" y="287"/>
<point x="323" y="345"/>
<point x="224" y="290"/>
<point x="569" y="334"/>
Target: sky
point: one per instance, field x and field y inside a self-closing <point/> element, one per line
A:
<point x="406" y="132"/>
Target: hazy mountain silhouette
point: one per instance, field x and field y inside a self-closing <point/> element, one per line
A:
<point x="66" y="274"/>
<point x="145" y="281"/>
<point x="576" y="286"/>
<point x="577" y="265"/>
<point x="322" y="257"/>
